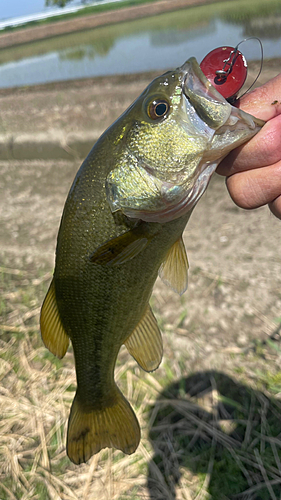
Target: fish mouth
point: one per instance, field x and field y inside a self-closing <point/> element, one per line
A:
<point x="205" y="98"/>
<point x="225" y="128"/>
<point x="195" y="80"/>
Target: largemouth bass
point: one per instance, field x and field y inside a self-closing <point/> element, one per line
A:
<point x="122" y="224"/>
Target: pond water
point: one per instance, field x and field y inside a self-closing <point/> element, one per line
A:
<point x="160" y="42"/>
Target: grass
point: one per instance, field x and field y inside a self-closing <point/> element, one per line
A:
<point x="206" y="435"/>
<point x="98" y="41"/>
<point x="82" y="12"/>
<point x="237" y="13"/>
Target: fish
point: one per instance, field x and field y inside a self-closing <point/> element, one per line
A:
<point x="121" y="227"/>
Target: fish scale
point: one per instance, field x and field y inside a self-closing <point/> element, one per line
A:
<point x="122" y="224"/>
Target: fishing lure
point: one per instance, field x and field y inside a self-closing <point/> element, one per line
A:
<point x="226" y="68"/>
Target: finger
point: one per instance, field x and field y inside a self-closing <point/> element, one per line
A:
<point x="263" y="149"/>
<point x="263" y="102"/>
<point x="255" y="188"/>
<point x="275" y="207"/>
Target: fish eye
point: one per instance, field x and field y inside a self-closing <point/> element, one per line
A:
<point x="158" y="109"/>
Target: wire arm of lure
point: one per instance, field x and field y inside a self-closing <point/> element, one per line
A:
<point x="224" y="72"/>
<point x="261" y="64"/>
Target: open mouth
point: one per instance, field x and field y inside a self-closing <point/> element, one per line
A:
<point x="209" y="104"/>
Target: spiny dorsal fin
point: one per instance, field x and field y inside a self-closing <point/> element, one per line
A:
<point x="145" y="343"/>
<point x="115" y="426"/>
<point x="52" y="331"/>
<point x="174" y="269"/>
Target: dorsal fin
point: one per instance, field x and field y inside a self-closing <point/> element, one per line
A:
<point x="52" y="330"/>
<point x="174" y="269"/>
<point x="145" y="343"/>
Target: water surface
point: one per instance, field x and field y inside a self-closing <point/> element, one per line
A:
<point x="159" y="42"/>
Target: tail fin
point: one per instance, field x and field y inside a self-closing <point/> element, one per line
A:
<point x="114" y="427"/>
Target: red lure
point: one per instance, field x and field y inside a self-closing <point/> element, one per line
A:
<point x="226" y="69"/>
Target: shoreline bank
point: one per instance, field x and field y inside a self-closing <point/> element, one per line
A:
<point x="63" y="120"/>
<point x="87" y="22"/>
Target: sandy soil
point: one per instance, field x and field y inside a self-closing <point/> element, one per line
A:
<point x="234" y="295"/>
<point x="90" y="104"/>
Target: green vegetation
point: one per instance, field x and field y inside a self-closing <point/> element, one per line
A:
<point x="251" y="9"/>
<point x="98" y="41"/>
<point x="82" y="12"/>
<point x="231" y="445"/>
<point x="236" y="11"/>
<point x="59" y="3"/>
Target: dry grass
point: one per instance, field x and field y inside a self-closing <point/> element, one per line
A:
<point x="205" y="436"/>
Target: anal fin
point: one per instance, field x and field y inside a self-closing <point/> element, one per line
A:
<point x="174" y="269"/>
<point x="145" y="343"/>
<point x="52" y="330"/>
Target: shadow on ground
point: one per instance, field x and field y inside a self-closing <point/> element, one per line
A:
<point x="215" y="437"/>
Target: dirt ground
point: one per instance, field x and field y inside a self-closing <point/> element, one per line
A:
<point x="224" y="329"/>
<point x="89" y="104"/>
<point x="234" y="295"/>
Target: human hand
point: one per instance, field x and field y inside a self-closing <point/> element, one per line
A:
<point x="253" y="170"/>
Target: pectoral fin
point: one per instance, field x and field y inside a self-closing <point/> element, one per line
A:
<point x="53" y="334"/>
<point x="145" y="343"/>
<point x="125" y="247"/>
<point x="174" y="269"/>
